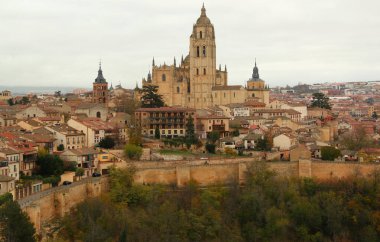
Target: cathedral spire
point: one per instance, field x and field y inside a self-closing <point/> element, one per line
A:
<point x="220" y="67"/>
<point x="225" y="68"/>
<point x="182" y="60"/>
<point x="149" y="77"/>
<point x="100" y="78"/>
<point x="175" y="64"/>
<point x="203" y="10"/>
<point x="255" y="74"/>
<point x="153" y="62"/>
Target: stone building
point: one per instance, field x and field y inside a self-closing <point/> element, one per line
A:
<point x="197" y="82"/>
<point x="170" y="121"/>
<point x="100" y="88"/>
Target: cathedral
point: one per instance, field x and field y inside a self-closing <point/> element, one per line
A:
<point x="196" y="82"/>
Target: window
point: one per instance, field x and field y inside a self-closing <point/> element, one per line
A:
<point x="197" y="71"/>
<point x="98" y="114"/>
<point x="178" y="90"/>
<point x="204" y="71"/>
<point x="197" y="51"/>
<point x="204" y="51"/>
<point x="234" y="95"/>
<point x="200" y="34"/>
<point x="224" y="94"/>
<point x="163" y="77"/>
<point x="175" y="131"/>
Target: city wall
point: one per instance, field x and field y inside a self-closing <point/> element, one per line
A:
<point x="55" y="202"/>
<point x="234" y="170"/>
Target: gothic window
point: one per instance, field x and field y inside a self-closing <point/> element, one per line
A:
<point x="234" y="95"/>
<point x="204" y="51"/>
<point x="197" y="51"/>
<point x="177" y="89"/>
<point x="197" y="71"/>
<point x="163" y="77"/>
<point x="200" y="34"/>
<point x="204" y="71"/>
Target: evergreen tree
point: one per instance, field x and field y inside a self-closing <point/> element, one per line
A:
<point x="15" y="225"/>
<point x="150" y="98"/>
<point x="49" y="165"/>
<point x="10" y="102"/>
<point x="107" y="143"/>
<point x="157" y="133"/>
<point x="190" y="137"/>
<point x="320" y="100"/>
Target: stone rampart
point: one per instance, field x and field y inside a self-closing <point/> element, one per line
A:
<point x="55" y="202"/>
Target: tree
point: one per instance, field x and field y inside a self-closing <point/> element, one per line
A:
<point x="49" y="165"/>
<point x="190" y="137"/>
<point x="60" y="147"/>
<point x="107" y="143"/>
<point x="150" y="98"/>
<point x="24" y="100"/>
<point x="210" y="148"/>
<point x="213" y="136"/>
<point x="263" y="144"/>
<point x="157" y="133"/>
<point x="79" y="172"/>
<point x="133" y="152"/>
<point x="134" y="133"/>
<point x="236" y="133"/>
<point x="15" y="225"/>
<point x="320" y="101"/>
<point x="356" y="139"/>
<point x="126" y="103"/>
<point x="329" y="153"/>
<point x="10" y="102"/>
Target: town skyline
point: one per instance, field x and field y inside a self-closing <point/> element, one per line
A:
<point x="336" y="47"/>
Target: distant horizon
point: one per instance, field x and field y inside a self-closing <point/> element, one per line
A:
<point x="24" y="89"/>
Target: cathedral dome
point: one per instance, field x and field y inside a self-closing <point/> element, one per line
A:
<point x="203" y="19"/>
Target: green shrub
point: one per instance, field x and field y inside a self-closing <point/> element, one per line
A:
<point x="133" y="152"/>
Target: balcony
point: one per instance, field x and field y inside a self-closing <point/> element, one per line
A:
<point x="217" y="127"/>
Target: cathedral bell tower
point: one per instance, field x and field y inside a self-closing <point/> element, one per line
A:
<point x="202" y="62"/>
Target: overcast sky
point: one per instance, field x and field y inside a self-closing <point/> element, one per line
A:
<point x="60" y="42"/>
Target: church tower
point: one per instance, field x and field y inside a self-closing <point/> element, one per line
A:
<point x="202" y="62"/>
<point x="100" y="88"/>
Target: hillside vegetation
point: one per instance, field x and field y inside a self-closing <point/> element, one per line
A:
<point x="267" y="208"/>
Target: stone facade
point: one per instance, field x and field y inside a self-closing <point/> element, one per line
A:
<point x="196" y="82"/>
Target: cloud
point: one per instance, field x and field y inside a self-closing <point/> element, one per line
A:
<point x="52" y="42"/>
